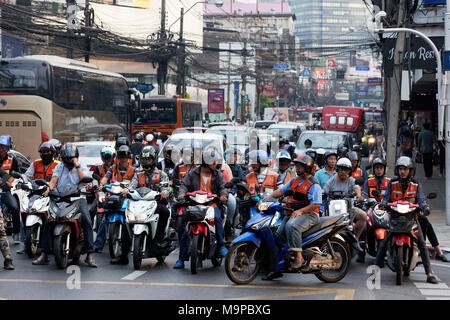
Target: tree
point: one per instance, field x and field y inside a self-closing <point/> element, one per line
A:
<point x="264" y="103"/>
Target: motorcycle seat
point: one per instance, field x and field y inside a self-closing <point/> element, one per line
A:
<point x="322" y="224"/>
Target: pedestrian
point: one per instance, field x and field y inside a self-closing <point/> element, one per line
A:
<point x="441" y="158"/>
<point x="426" y="143"/>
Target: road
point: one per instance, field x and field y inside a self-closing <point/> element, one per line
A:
<point x="160" y="281"/>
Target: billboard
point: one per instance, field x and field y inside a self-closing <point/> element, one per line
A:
<point x="216" y="100"/>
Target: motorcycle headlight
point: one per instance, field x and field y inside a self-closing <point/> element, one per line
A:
<point x="141" y="216"/>
<point x="371" y="140"/>
<point x="200" y="198"/>
<point x="264" y="206"/>
<point x="262" y="224"/>
<point x="130" y="216"/>
<point x="403" y="208"/>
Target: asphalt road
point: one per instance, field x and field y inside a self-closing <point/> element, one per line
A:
<point x="160" y="281"/>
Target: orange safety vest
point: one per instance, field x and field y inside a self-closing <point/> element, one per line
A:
<point x="101" y="171"/>
<point x="373" y="185"/>
<point x="289" y="175"/>
<point x="117" y="161"/>
<point x="183" y="170"/>
<point x="7" y="164"/>
<point x="357" y="173"/>
<point x="206" y="187"/>
<point x="142" y="179"/>
<point x="41" y="173"/>
<point x="302" y="188"/>
<point x="270" y="182"/>
<point x="410" y="193"/>
<point x="117" y="177"/>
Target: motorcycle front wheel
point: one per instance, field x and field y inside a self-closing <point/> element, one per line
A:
<point x="114" y="242"/>
<point x="195" y="257"/>
<point x="342" y="251"/>
<point x="398" y="258"/>
<point x="31" y="241"/>
<point x="241" y="263"/>
<point x="137" y="250"/>
<point x="59" y="244"/>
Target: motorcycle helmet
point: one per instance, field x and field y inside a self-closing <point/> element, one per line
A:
<point x="167" y="151"/>
<point x="405" y="162"/>
<point x="121" y="141"/>
<point x="5" y="141"/>
<point x="259" y="156"/>
<point x="148" y="158"/>
<point x="353" y="156"/>
<point x="329" y="153"/>
<point x="108" y="154"/>
<point x="69" y="151"/>
<point x="312" y="153"/>
<point x="123" y="152"/>
<point x="378" y="161"/>
<point x="138" y="137"/>
<point x="306" y="161"/>
<point x="210" y="156"/>
<point x="47" y="152"/>
<point x="342" y="150"/>
<point x="344" y="163"/>
<point x="149" y="138"/>
<point x="283" y="154"/>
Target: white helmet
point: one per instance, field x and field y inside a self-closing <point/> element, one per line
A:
<point x="149" y="137"/>
<point x="108" y="154"/>
<point x="345" y="163"/>
<point x="283" y="154"/>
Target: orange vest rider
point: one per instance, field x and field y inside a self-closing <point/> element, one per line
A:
<point x="373" y="185"/>
<point x="117" y="176"/>
<point x="410" y="194"/>
<point x="41" y="173"/>
<point x="183" y="170"/>
<point x="300" y="199"/>
<point x="270" y="182"/>
<point x="7" y="164"/>
<point x="143" y="181"/>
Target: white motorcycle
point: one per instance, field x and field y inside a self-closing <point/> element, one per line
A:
<point x="142" y="222"/>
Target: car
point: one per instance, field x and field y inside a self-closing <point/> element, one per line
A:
<point x="237" y="136"/>
<point x="284" y="129"/>
<point x="181" y="140"/>
<point x="263" y="124"/>
<point x="90" y="153"/>
<point x="214" y="124"/>
<point x="190" y="129"/>
<point x="325" y="139"/>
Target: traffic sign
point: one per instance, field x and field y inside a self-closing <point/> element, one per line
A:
<point x="362" y="68"/>
<point x="144" y="87"/>
<point x="281" y="66"/>
<point x="446" y="60"/>
<point x="227" y="109"/>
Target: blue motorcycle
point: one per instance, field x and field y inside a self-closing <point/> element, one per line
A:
<point x="114" y="205"/>
<point x="326" y="253"/>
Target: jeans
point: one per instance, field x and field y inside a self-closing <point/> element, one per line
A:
<point x="11" y="203"/>
<point x="86" y="224"/>
<point x="428" y="164"/>
<point x="101" y="234"/>
<point x="379" y="260"/>
<point x="290" y="230"/>
<point x="185" y="238"/>
<point x="428" y="231"/>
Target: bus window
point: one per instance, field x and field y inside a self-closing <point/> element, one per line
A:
<point x="190" y="113"/>
<point x="333" y="120"/>
<point x="161" y="112"/>
<point x="341" y="121"/>
<point x="350" y="121"/>
<point x="17" y="78"/>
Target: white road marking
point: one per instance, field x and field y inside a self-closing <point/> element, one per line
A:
<point x="435" y="292"/>
<point x="134" y="275"/>
<point x="425" y="285"/>
<point x="438" y="298"/>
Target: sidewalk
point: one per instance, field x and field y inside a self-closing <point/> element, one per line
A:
<point x="437" y="217"/>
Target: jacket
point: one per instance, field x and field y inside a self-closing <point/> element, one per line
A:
<point x="191" y="182"/>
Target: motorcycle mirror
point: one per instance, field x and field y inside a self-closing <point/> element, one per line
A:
<point x="41" y="182"/>
<point x="86" y="179"/>
<point x="15" y="175"/>
<point x="376" y="193"/>
<point x="432" y="195"/>
<point x="289" y="193"/>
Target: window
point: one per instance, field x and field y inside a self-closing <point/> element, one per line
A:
<point x="333" y="120"/>
<point x="350" y="121"/>
<point x="12" y="76"/>
<point x="157" y="112"/>
<point x="190" y="113"/>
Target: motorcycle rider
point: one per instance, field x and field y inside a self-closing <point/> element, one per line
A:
<point x="57" y="145"/>
<point x="329" y="170"/>
<point x="148" y="175"/>
<point x="404" y="187"/>
<point x="206" y="177"/>
<point x="341" y="151"/>
<point x="285" y="171"/>
<point x="167" y="165"/>
<point x="9" y="163"/>
<point x="4" y="245"/>
<point x="231" y="157"/>
<point x="307" y="201"/>
<point x="345" y="183"/>
<point x="261" y="177"/>
<point x="137" y="145"/>
<point x="122" y="141"/>
<point x="378" y="182"/>
<point x="184" y="167"/>
<point x="359" y="174"/>
<point x="69" y="173"/>
<point x="108" y="155"/>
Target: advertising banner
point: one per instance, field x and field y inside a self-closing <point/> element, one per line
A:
<point x="216" y="100"/>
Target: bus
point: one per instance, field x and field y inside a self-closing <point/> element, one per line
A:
<point x="342" y="118"/>
<point x="163" y="114"/>
<point x="48" y="96"/>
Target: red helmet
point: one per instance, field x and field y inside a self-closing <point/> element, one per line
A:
<point x="307" y="161"/>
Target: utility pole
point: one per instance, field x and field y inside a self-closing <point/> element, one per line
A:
<point x="446" y="135"/>
<point x="394" y="90"/>
<point x="162" y="65"/>
<point x="180" y="75"/>
<point x="88" y="20"/>
<point x="229" y="80"/>
<point x="244" y="74"/>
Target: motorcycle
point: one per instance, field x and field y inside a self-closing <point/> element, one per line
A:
<point x="377" y="225"/>
<point x="201" y="229"/>
<point x="65" y="223"/>
<point x="326" y="253"/>
<point x="18" y="195"/>
<point x="34" y="210"/>
<point x="114" y="206"/>
<point x="142" y="221"/>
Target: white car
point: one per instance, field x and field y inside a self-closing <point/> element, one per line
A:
<point x="284" y="129"/>
<point x="237" y="136"/>
<point x="90" y="153"/>
<point x="181" y="140"/>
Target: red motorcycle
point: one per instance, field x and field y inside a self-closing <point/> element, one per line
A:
<point x="377" y="227"/>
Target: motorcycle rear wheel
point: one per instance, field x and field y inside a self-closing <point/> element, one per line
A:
<point x="31" y="245"/>
<point x="339" y="247"/>
<point x="114" y="242"/>
<point x="239" y="261"/>
<point x="137" y="251"/>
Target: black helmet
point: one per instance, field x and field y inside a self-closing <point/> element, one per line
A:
<point x="342" y="150"/>
<point x="352" y="155"/>
<point x="148" y="152"/>
<point x="45" y="147"/>
<point x="378" y="161"/>
<point x="405" y="162"/>
<point x="307" y="161"/>
<point x="284" y="141"/>
<point x="329" y="153"/>
<point x="311" y="153"/>
<point x="138" y="137"/>
<point x="123" y="152"/>
<point x="69" y="150"/>
<point x="121" y="141"/>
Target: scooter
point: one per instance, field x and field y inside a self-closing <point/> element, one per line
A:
<point x="142" y="222"/>
<point x="377" y="225"/>
<point x="34" y="210"/>
<point x="114" y="206"/>
<point x="200" y="219"/>
<point x="326" y="253"/>
<point x="65" y="223"/>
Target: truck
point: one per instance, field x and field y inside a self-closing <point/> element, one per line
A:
<point x="279" y="114"/>
<point x="343" y="118"/>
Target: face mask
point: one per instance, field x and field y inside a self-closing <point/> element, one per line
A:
<point x="47" y="159"/>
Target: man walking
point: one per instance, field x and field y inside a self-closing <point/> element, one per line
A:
<point x="426" y="143"/>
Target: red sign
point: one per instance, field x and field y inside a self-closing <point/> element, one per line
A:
<point x="216" y="100"/>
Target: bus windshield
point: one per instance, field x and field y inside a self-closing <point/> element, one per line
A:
<point x="157" y="112"/>
<point x="13" y="76"/>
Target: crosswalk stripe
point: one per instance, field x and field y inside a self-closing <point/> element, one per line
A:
<point x="435" y="292"/>
<point x="438" y="298"/>
<point x="424" y="285"/>
<point x="134" y="275"/>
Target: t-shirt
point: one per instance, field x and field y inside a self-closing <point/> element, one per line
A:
<point x="323" y="176"/>
<point x="426" y="139"/>
<point x="334" y="184"/>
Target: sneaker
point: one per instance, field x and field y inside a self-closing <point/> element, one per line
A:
<point x="223" y="251"/>
<point x="16" y="238"/>
<point x="179" y="264"/>
<point x="8" y="265"/>
<point x="432" y="279"/>
<point x="41" y="261"/>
